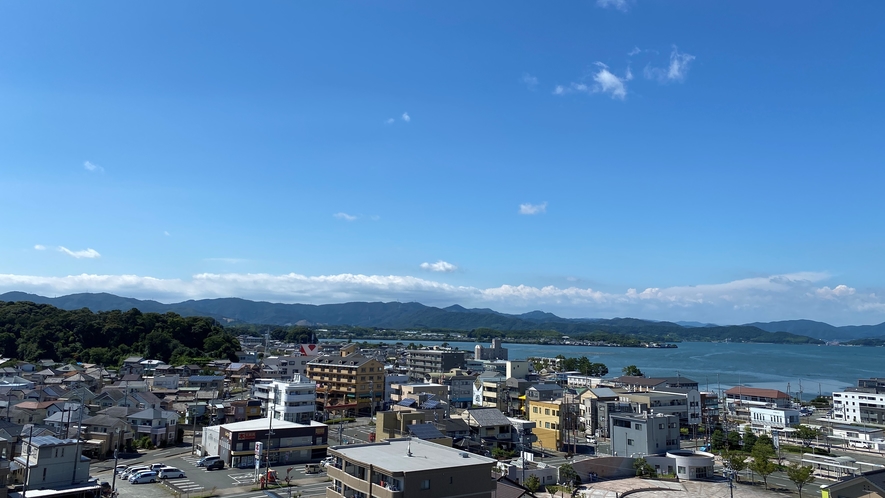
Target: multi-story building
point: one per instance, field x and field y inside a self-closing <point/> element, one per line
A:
<point x="556" y="422"/>
<point x="47" y="462"/>
<point x="768" y="419"/>
<point x="289" y="442"/>
<point x="495" y="352"/>
<point x="422" y="362"/>
<point x="635" y="435"/>
<point x="293" y="401"/>
<point x="398" y="468"/>
<point x="437" y="392"/>
<point x="349" y="384"/>
<point x="284" y="367"/>
<point x="859" y="405"/>
<point x="686" y="404"/>
<point x="754" y="396"/>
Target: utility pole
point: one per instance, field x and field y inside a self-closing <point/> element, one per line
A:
<point x="194" y="429"/>
<point x="271" y="398"/>
<point x="77" y="448"/>
<point x="28" y="463"/>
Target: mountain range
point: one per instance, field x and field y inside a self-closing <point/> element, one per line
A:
<point x="396" y="315"/>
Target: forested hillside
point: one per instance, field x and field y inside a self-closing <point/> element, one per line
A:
<point x="32" y="332"/>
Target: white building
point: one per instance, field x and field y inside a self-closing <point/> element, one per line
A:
<point x="51" y="462"/>
<point x="583" y="381"/>
<point x="766" y="419"/>
<point x="292" y="401"/>
<point x="859" y="406"/>
<point x="284" y="367"/>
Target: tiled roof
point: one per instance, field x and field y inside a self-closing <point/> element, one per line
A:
<point x="758" y="392"/>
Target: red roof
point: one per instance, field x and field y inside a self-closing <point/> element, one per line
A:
<point x="755" y="391"/>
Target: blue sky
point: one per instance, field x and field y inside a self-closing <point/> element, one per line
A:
<point x="684" y="161"/>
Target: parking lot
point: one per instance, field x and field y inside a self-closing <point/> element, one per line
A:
<point x="233" y="482"/>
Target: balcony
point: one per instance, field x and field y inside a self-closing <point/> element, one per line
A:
<point x="387" y="491"/>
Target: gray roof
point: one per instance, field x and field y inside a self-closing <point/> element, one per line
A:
<point x="349" y="360"/>
<point x="487" y="417"/>
<point x="603" y="392"/>
<point x="425" y="431"/>
<point x="546" y="387"/>
<point x="49" y="441"/>
<point x="393" y="455"/>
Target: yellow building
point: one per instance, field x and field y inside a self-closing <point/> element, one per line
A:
<point x="556" y="422"/>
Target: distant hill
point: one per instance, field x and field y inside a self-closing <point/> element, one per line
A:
<point x="405" y="316"/>
<point x="821" y="330"/>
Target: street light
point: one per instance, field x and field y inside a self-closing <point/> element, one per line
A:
<point x="116" y="460"/>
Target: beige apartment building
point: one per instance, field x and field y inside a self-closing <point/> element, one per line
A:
<point x="400" y="468"/>
<point x="347" y="385"/>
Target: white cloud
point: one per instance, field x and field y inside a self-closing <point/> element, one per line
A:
<point x="92" y="167"/>
<point x="528" y="208"/>
<point x="633" y="52"/>
<point x="530" y="81"/>
<point x="406" y="117"/>
<point x="40" y="247"/>
<point x="621" y="5"/>
<point x="390" y="121"/>
<point x="85" y="253"/>
<point x="439" y="266"/>
<point x="774" y="297"/>
<point x="675" y="72"/>
<point x="345" y="216"/>
<point x="605" y="82"/>
<point x="166" y="233"/>
<point x="609" y="83"/>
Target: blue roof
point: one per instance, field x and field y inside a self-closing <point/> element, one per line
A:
<point x="407" y="402"/>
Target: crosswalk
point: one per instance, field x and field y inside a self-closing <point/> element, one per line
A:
<point x="184" y="485"/>
<point x="313" y="489"/>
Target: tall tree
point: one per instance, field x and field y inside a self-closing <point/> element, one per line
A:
<point x="800" y="475"/>
<point x="632" y="371"/>
<point x="735" y="460"/>
<point x="761" y="463"/>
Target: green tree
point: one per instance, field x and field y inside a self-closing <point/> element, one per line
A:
<point x="806" y="434"/>
<point x="567" y="474"/>
<point x="532" y="483"/>
<point x="734" y="440"/>
<point x="643" y="468"/>
<point x="761" y="463"/>
<point x="800" y="475"/>
<point x="749" y="439"/>
<point x="764" y="446"/>
<point x="632" y="371"/>
<point x="717" y="439"/>
<point x="735" y="460"/>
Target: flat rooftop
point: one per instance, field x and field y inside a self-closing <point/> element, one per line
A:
<point x="392" y="455"/>
<point x="262" y="423"/>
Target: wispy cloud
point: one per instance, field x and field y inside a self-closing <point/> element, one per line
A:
<point x="166" y="233"/>
<point x="92" y="167"/>
<point x="621" y="5"/>
<point x="390" y="121"/>
<point x="40" y="247"/>
<point x="633" y="52"/>
<point x="531" y="82"/>
<point x="528" y="208"/>
<point x="604" y="82"/>
<point x="676" y="71"/>
<point x="406" y="117"/>
<point x="230" y="261"/>
<point x="85" y="253"/>
<point x="440" y="266"/>
<point x="345" y="216"/>
<point x="774" y="297"/>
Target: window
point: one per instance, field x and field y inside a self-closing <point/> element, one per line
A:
<point x="425" y="484"/>
<point x="638" y="427"/>
<point x="546" y="425"/>
<point x="546" y="411"/>
<point x="629" y="442"/>
<point x="680" y="469"/>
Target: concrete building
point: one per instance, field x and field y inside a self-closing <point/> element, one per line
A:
<point x="517" y="369"/>
<point x="767" y="419"/>
<point x="754" y="396"/>
<point x="400" y="468"/>
<point x="289" y="442"/>
<point x="556" y="422"/>
<point x="686" y="464"/>
<point x="643" y="434"/>
<point x="51" y="463"/>
<point x="686" y="405"/>
<point x="285" y="367"/>
<point x="437" y="392"/>
<point x="495" y="352"/>
<point x="389" y="381"/>
<point x="347" y="385"/>
<point x="860" y="406"/>
<point x="293" y="401"/>
<point x="422" y="362"/>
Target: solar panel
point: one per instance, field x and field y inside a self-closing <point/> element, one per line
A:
<point x="407" y="402"/>
<point x="430" y="404"/>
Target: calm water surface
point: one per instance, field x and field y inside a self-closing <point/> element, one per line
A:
<point x="816" y="368"/>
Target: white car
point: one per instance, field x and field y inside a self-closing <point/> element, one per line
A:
<point x="327" y="461"/>
<point x="171" y="473"/>
<point x="143" y="477"/>
<point x="131" y="471"/>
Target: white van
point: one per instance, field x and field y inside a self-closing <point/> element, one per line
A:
<point x="144" y="477"/>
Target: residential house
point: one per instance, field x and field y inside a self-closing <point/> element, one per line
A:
<point x="636" y="435"/>
<point x="206" y="382"/>
<point x="132" y="365"/>
<point x="52" y="463"/>
<point x="160" y="425"/>
<point x="489" y="427"/>
<point x="108" y="432"/>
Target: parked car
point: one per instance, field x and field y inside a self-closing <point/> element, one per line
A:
<point x="327" y="461"/>
<point x="157" y="466"/>
<point x="206" y="460"/>
<point x="131" y="471"/>
<point x="215" y="465"/>
<point x="120" y="468"/>
<point x="144" y="477"/>
<point x="171" y="473"/>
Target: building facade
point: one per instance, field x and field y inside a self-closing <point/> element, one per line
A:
<point x="860" y="406"/>
<point x="289" y="442"/>
<point x="347" y="385"/>
<point x="636" y="435"/>
<point x="293" y="401"/>
<point x="422" y="362"/>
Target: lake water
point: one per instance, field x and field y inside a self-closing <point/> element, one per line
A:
<point x="773" y="366"/>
